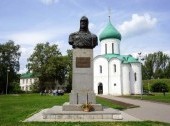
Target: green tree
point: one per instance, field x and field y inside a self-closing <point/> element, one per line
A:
<point x="167" y="70"/>
<point x="155" y="65"/>
<point x="69" y="77"/>
<point x="50" y="65"/>
<point x="9" y="59"/>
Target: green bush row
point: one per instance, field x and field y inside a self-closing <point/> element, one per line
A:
<point x="148" y="84"/>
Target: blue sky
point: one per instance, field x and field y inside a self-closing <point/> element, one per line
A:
<point x="144" y="24"/>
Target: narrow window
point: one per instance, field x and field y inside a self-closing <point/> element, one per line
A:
<point x="23" y="81"/>
<point x="112" y="47"/>
<point x="105" y="48"/>
<point x="135" y="76"/>
<point x="100" y="69"/>
<point x="114" y="84"/>
<point x="114" y="67"/>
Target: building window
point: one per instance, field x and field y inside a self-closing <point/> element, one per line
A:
<point x="114" y="67"/>
<point x="112" y="47"/>
<point x="100" y="67"/>
<point x="135" y="76"/>
<point x="114" y="84"/>
<point x="23" y="81"/>
<point x="26" y="81"/>
<point x="105" y="48"/>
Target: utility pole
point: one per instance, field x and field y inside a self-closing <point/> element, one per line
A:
<point x="8" y="70"/>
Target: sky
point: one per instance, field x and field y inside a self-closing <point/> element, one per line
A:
<point x="143" y="24"/>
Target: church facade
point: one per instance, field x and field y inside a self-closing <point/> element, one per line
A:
<point x="115" y="74"/>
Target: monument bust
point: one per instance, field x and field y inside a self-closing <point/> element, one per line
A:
<point x="83" y="38"/>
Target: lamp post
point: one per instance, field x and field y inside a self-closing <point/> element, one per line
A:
<point x="8" y="70"/>
<point x="140" y="59"/>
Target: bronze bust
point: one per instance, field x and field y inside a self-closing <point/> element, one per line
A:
<point x="83" y="38"/>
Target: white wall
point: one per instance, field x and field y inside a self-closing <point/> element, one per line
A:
<point x="126" y="79"/>
<point x="109" y="46"/>
<point x="26" y="83"/>
<point x="101" y="77"/>
<point x="136" y="86"/>
<point x="115" y="77"/>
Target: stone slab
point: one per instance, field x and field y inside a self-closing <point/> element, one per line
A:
<point x="56" y="112"/>
<point x="77" y="107"/>
<point x="38" y="117"/>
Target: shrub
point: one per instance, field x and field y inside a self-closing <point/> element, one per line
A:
<point x="14" y="88"/>
<point x="148" y="83"/>
<point x="158" y="86"/>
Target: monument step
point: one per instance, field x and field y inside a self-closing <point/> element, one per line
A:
<point x="78" y="107"/>
<point x="56" y="112"/>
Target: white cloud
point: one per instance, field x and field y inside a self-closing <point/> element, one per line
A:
<point x="26" y="52"/>
<point x="49" y="2"/>
<point x="31" y="38"/>
<point x="137" y="25"/>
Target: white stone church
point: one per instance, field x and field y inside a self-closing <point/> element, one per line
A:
<point x="115" y="74"/>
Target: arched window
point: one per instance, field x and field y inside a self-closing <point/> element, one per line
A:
<point x="114" y="67"/>
<point x="105" y="48"/>
<point x="135" y="76"/>
<point x="100" y="67"/>
<point x="112" y="47"/>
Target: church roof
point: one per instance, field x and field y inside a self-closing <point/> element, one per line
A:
<point x="123" y="58"/>
<point x="109" y="32"/>
<point x="28" y="75"/>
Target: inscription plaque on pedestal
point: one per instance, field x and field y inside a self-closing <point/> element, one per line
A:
<point x="82" y="62"/>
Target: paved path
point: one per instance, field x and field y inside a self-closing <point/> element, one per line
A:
<point x="147" y="111"/>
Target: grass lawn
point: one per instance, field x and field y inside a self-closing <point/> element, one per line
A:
<point x="15" y="108"/>
<point x="157" y="97"/>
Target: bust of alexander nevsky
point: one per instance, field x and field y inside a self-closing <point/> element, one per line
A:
<point x="83" y="38"/>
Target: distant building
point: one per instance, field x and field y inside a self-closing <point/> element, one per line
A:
<point x="26" y="80"/>
<point x="115" y="74"/>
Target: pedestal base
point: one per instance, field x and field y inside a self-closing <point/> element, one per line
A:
<point x="56" y="113"/>
<point x="82" y="97"/>
<point x="78" y="107"/>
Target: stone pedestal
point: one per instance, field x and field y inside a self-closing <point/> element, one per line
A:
<point x="82" y="80"/>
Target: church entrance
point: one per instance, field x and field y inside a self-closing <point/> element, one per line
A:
<point x="100" y="88"/>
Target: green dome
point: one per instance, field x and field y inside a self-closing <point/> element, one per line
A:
<point x="109" y="32"/>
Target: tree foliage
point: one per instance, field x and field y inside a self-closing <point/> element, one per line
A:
<point x="156" y="65"/>
<point x="69" y="78"/>
<point x="49" y="64"/>
<point x="9" y="59"/>
<point x="159" y="87"/>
